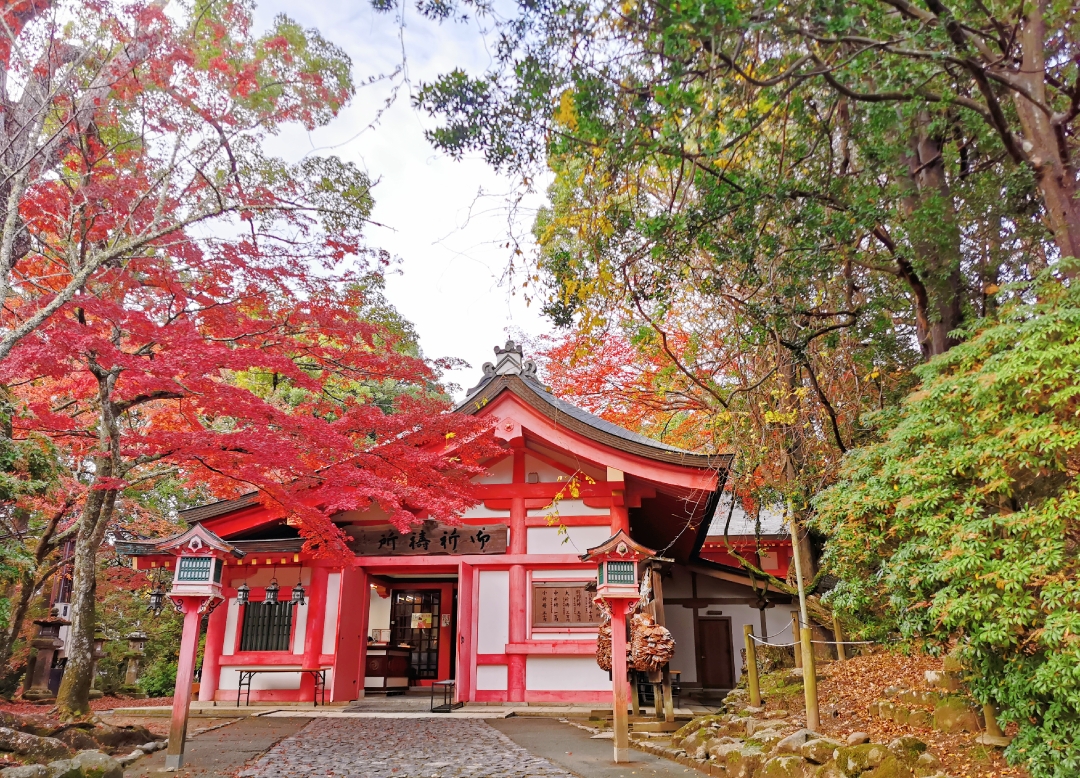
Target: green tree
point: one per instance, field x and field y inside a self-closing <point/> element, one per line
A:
<point x="960" y="527"/>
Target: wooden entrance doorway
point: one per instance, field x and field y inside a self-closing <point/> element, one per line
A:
<point x="715" y="661"/>
<point x="426" y="619"/>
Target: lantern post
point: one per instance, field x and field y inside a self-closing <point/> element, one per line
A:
<point x="195" y="591"/>
<point x="618" y="560"/>
<point x="47" y="644"/>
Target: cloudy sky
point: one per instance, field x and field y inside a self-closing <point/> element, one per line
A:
<point x="446" y="220"/>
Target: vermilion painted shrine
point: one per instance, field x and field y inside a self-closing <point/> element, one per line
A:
<point x="498" y="603"/>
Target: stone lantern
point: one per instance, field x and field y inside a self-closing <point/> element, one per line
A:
<point x="136" y="651"/>
<point x="618" y="560"/>
<point x="47" y="644"/>
<point x="97" y="653"/>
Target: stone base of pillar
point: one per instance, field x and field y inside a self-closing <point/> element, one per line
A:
<point x="35" y="695"/>
<point x="622" y="754"/>
<point x="173" y="762"/>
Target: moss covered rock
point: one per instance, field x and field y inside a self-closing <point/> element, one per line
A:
<point x="743" y="763"/>
<point x="32" y="747"/>
<point x="856" y="760"/>
<point x="94" y="764"/>
<point x="786" y="766"/>
<point x="955" y="714"/>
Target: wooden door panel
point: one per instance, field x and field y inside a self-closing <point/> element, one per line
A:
<point x="716" y="667"/>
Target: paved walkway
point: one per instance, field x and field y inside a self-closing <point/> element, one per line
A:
<point x="400" y="748"/>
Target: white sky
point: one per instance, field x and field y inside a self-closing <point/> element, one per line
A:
<point x="450" y="242"/>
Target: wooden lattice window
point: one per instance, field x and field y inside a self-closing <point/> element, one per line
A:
<point x="266" y="626"/>
<point x="563" y="604"/>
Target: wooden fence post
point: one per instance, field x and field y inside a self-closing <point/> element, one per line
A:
<point x="751" y="665"/>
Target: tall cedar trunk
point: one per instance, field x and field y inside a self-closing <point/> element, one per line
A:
<point x="794" y="456"/>
<point x="17" y="616"/>
<point x="937" y="251"/>
<point x="1049" y="153"/>
<point x="73" y="698"/>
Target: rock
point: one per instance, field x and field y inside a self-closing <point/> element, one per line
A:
<point x="719" y="751"/>
<point x="907" y="747"/>
<point x="34" y="746"/>
<point x="794" y="742"/>
<point x="920" y="718"/>
<point x="743" y="763"/>
<point x="149" y="748"/>
<point x="756" y="725"/>
<point x="701" y="754"/>
<point x="768" y="737"/>
<point x="857" y="738"/>
<point x="855" y="760"/>
<point x="900" y="714"/>
<point x="94" y="764"/>
<point x="892" y="691"/>
<point x="885" y="709"/>
<point x="697" y="724"/>
<point x="77" y="739"/>
<point x="127" y="759"/>
<point x="927" y="764"/>
<point x="776" y="714"/>
<point x="782" y="767"/>
<point x="954" y="714"/>
<point x="26" y="771"/>
<point x="751" y="711"/>
<point x="995" y="741"/>
<point x="934" y="678"/>
<point x="819" y="750"/>
<point x="64" y="768"/>
<point x="890" y="767"/>
<point x="117" y="737"/>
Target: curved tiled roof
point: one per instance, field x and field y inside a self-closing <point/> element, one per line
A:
<point x="536" y="395"/>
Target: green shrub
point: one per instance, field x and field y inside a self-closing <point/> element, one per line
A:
<point x="159" y="679"/>
<point x="962" y="526"/>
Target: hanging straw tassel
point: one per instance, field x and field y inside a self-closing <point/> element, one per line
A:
<point x="651" y="646"/>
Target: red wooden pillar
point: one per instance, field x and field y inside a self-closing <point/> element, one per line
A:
<point x="515" y="665"/>
<point x="620" y="686"/>
<point x="466" y="640"/>
<point x="349" y="659"/>
<point x="211" y="666"/>
<point x="313" y="635"/>
<point x="185" y="674"/>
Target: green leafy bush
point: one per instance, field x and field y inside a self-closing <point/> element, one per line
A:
<point x="159" y="679"/>
<point x="962" y="526"/>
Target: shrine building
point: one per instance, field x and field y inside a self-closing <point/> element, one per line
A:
<point x="500" y="603"/>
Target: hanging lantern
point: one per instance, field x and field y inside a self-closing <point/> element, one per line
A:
<point x="157" y="600"/>
<point x="243" y="592"/>
<point x="271" y="593"/>
<point x="298" y="594"/>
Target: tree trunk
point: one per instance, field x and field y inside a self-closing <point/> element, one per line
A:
<point x="1049" y="153"/>
<point x="937" y="251"/>
<point x="73" y="698"/>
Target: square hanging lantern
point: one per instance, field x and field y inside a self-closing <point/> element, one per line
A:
<point x="298" y="594"/>
<point x="243" y="593"/>
<point x="617" y="566"/>
<point x="272" y="590"/>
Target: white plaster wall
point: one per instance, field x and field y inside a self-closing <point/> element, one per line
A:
<point x="333" y="598"/>
<point x="491" y="678"/>
<point x="546" y="473"/>
<point x="565" y="673"/>
<point x="481" y="512"/>
<point x="502" y="472"/>
<point x="680" y="621"/>
<point x="547" y="540"/>
<point x="230" y="679"/>
<point x="493" y="612"/>
<point x="570" y="507"/>
<point x="378" y="612"/>
<point x="231" y="620"/>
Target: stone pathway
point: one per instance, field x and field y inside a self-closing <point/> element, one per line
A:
<point x="400" y="748"/>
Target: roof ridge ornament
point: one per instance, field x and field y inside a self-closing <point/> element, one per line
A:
<point x="509" y="360"/>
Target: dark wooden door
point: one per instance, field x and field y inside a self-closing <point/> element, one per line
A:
<point x="424" y="640"/>
<point x="716" y="666"/>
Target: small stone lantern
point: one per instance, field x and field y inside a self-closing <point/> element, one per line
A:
<point x="100" y="639"/>
<point x="618" y="559"/>
<point x="136" y="651"/>
<point x="47" y="644"/>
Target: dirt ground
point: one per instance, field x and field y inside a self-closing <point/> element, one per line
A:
<point x="846" y="690"/>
